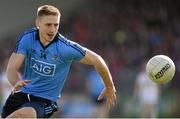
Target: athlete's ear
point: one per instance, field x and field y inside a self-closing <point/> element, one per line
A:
<point x="37" y="23"/>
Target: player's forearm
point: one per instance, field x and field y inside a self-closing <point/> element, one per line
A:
<point x="14" y="64"/>
<point x="104" y="72"/>
<point x="12" y="75"/>
<point x="94" y="59"/>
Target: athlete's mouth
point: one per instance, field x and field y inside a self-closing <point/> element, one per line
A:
<point x="50" y="35"/>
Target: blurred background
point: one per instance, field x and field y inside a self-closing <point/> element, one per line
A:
<point x="126" y="33"/>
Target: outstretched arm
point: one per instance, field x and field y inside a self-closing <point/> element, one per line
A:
<point x="109" y="91"/>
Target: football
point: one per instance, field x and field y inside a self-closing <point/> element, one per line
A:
<point x="160" y="69"/>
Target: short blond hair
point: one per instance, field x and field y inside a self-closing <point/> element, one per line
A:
<point x="46" y="10"/>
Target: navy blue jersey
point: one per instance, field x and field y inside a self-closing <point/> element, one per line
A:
<point x="48" y="66"/>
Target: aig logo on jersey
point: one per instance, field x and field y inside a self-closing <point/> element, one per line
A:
<point x="43" y="68"/>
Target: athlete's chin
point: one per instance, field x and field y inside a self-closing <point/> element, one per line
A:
<point x="50" y="39"/>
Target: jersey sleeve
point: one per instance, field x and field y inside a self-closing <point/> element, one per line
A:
<point x="21" y="45"/>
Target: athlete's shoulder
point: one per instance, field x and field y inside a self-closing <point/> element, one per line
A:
<point x="70" y="45"/>
<point x="25" y="39"/>
<point x="61" y="38"/>
<point x="64" y="40"/>
<point x="31" y="31"/>
<point x="28" y="35"/>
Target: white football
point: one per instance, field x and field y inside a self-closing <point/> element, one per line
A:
<point x="160" y="69"/>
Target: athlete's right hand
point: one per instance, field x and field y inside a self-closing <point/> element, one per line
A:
<point x="19" y="85"/>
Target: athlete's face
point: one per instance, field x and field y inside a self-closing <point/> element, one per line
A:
<point x="48" y="27"/>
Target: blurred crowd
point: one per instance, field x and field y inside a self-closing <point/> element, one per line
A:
<point x="126" y="33"/>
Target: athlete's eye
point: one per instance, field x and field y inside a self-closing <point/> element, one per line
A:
<point x="48" y="24"/>
<point x="56" y="25"/>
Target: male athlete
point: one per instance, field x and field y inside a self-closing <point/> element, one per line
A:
<point x="47" y="57"/>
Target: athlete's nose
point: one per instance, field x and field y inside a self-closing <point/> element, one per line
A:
<point x="52" y="29"/>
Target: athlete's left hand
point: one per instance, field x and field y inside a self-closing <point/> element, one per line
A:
<point x="110" y="94"/>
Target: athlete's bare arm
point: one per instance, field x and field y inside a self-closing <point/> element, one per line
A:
<point x="92" y="58"/>
<point x="14" y="64"/>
